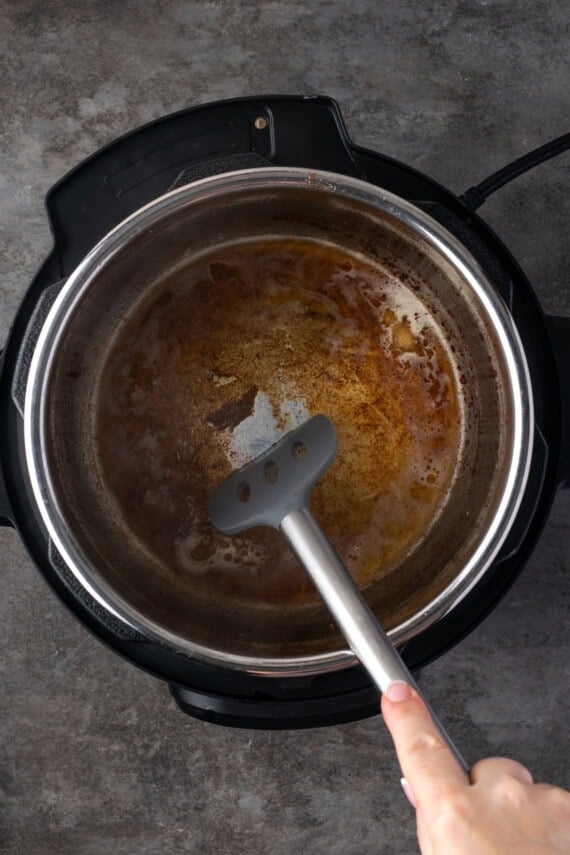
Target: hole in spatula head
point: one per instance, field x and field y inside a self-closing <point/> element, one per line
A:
<point x="299" y="450"/>
<point x="243" y="492"/>
<point x="271" y="472"/>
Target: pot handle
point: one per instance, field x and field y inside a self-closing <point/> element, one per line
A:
<point x="19" y="377"/>
<point x="29" y="341"/>
<point x="559" y="329"/>
<point x="217" y="165"/>
<point x="6" y="513"/>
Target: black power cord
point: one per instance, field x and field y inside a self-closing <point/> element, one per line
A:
<point x="475" y="196"/>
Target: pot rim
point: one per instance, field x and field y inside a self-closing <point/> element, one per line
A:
<point x="497" y="315"/>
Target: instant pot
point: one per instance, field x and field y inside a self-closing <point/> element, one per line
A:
<point x="216" y="164"/>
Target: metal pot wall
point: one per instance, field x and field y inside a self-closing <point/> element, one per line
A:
<point x="123" y="280"/>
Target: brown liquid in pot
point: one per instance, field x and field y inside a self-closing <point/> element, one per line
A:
<point x="243" y="344"/>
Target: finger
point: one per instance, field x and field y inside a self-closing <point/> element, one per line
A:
<point x="424" y="837"/>
<point x="426" y="761"/>
<point x="490" y="770"/>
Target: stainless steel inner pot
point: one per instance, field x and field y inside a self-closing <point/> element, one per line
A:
<point x="87" y="528"/>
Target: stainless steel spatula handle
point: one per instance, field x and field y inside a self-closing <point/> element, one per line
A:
<point x="351" y="612"/>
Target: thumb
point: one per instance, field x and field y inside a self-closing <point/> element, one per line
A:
<point x="426" y="760"/>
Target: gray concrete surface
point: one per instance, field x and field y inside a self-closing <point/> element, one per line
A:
<point x="94" y="758"/>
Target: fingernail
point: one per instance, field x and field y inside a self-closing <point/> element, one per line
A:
<point x="398" y="691"/>
<point x="408" y="792"/>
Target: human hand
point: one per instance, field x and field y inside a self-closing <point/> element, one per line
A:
<point x="499" y="811"/>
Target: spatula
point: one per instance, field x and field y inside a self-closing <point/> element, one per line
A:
<point x="275" y="490"/>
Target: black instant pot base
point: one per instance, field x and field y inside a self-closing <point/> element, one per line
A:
<point x="244" y="133"/>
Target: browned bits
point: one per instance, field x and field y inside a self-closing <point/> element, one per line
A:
<point x="233" y="412"/>
<point x="294" y="321"/>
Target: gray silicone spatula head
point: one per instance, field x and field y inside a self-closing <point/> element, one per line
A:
<point x="278" y="481"/>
